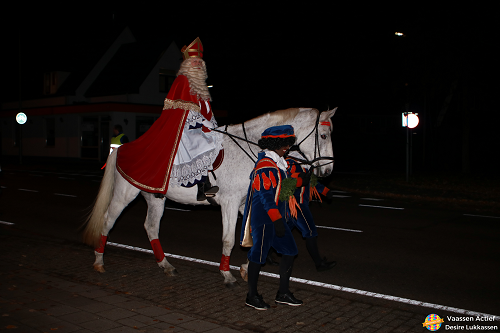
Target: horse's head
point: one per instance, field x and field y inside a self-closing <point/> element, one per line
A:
<point x="313" y="131"/>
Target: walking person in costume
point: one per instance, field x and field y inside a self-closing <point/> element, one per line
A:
<point x="264" y="219"/>
<point x="179" y="149"/>
<point x="306" y="189"/>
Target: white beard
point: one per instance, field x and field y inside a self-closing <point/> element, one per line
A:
<point x="197" y="80"/>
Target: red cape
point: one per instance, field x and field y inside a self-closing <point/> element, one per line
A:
<point x="146" y="162"/>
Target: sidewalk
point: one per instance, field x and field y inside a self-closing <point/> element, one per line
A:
<point x="48" y="285"/>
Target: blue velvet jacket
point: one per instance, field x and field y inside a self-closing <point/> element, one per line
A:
<point x="262" y="204"/>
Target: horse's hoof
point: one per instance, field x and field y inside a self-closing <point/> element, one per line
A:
<point x="231" y="285"/>
<point x="244" y="274"/>
<point x="99" y="268"/>
<point x="172" y="272"/>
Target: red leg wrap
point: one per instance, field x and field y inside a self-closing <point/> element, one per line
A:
<point x="157" y="250"/>
<point x="224" y="263"/>
<point x="102" y="244"/>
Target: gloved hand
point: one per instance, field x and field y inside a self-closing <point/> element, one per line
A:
<point x="306" y="178"/>
<point x="207" y="124"/>
<point x="279" y="226"/>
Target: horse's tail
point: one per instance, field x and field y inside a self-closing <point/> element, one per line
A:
<point x="95" y="221"/>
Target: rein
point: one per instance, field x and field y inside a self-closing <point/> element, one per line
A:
<point x="236" y="142"/>
<point x="293" y="148"/>
<point x="316" y="148"/>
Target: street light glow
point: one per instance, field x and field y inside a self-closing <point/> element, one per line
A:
<point x="21" y="118"/>
<point x="410" y="119"/>
<point x="399" y="34"/>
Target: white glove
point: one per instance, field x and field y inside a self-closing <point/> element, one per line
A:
<point x="207" y="124"/>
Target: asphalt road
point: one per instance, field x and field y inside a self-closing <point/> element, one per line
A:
<point x="382" y="246"/>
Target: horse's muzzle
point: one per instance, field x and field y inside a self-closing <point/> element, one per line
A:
<point x="327" y="172"/>
<point x="322" y="173"/>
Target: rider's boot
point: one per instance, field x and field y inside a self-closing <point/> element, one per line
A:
<point x="206" y="190"/>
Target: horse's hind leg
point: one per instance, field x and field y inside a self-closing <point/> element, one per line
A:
<point x="156" y="207"/>
<point x="123" y="194"/>
<point x="229" y="216"/>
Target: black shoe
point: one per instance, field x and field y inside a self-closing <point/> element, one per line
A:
<point x="201" y="196"/>
<point x="287" y="298"/>
<point x="325" y="265"/>
<point x="257" y="302"/>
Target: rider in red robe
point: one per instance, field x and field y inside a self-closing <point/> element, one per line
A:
<point x="179" y="149"/>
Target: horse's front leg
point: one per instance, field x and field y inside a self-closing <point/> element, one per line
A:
<point x="229" y="216"/>
<point x="152" y="226"/>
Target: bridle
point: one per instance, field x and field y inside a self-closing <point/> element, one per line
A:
<point x="296" y="148"/>
<point x="317" y="157"/>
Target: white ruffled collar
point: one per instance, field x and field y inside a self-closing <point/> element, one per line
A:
<point x="280" y="161"/>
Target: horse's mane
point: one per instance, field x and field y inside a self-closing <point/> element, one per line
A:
<point x="280" y="117"/>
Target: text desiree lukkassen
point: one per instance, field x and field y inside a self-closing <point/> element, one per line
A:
<point x="473" y="327"/>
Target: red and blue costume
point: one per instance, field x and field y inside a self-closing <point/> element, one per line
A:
<point x="265" y="214"/>
<point x="262" y="209"/>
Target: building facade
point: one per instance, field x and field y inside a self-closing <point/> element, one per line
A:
<point x="74" y="114"/>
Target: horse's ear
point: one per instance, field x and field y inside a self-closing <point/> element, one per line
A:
<point x="328" y="114"/>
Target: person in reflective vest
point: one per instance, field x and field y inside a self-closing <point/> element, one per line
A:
<point x="118" y="139"/>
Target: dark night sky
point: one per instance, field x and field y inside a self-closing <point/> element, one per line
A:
<point x="262" y="58"/>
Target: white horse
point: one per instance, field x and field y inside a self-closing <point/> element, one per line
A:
<point x="312" y="130"/>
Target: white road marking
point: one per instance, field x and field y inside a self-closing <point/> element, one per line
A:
<point x="322" y="285"/>
<point x="7" y="223"/>
<point x="23" y="189"/>
<point x="65" y="195"/>
<point x="386" y="207"/>
<point x="340" y="196"/>
<point x="335" y="191"/>
<point x="324" y="227"/>
<point x="372" y="199"/>
<point x="489" y="217"/>
<point x="66" y="178"/>
<point x="182" y="210"/>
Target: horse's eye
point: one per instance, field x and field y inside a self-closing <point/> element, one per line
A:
<point x="323" y="136"/>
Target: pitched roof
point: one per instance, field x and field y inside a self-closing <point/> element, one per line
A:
<point x="128" y="69"/>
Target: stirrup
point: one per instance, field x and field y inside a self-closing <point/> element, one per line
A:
<point x="211" y="191"/>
